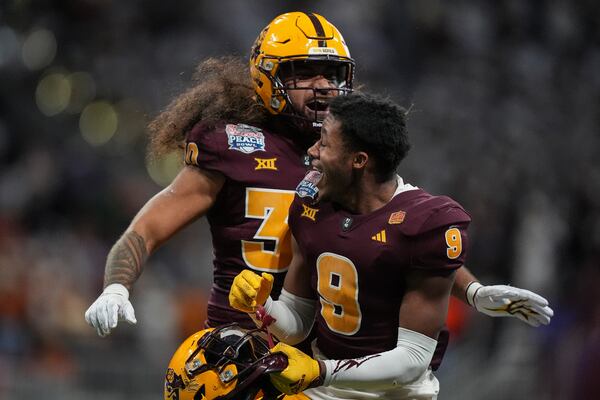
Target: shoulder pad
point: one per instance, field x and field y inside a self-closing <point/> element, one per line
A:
<point x="204" y="145"/>
<point x="201" y="130"/>
<point x="430" y="212"/>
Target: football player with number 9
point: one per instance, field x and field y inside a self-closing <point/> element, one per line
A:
<point x="374" y="263"/>
<point x="244" y="130"/>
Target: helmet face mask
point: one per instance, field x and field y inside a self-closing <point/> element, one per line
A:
<point x="294" y="47"/>
<point x="312" y="102"/>
<point x="335" y="72"/>
<point x="223" y="363"/>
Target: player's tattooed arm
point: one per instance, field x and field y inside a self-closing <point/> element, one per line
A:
<point x="126" y="260"/>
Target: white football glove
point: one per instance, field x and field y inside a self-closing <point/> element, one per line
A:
<point x="111" y="306"/>
<point x="508" y="301"/>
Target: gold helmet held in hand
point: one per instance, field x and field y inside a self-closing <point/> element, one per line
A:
<point x="225" y="363"/>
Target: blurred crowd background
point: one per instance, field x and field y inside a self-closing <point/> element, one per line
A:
<point x="505" y="118"/>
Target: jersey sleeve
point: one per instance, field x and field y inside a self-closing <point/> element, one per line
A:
<point x="204" y="147"/>
<point x="294" y="215"/>
<point x="443" y="241"/>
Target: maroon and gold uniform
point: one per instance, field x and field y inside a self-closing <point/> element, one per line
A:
<point x="249" y="219"/>
<point x="359" y="263"/>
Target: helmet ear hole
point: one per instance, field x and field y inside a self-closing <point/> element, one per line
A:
<point x="268" y="65"/>
<point x="275" y="103"/>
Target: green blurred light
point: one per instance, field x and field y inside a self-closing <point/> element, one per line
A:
<point x="98" y="123"/>
<point x="53" y="93"/>
<point x="164" y="170"/>
<point x="39" y="49"/>
<point x="83" y="90"/>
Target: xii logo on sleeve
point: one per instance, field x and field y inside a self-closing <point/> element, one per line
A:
<point x="245" y="138"/>
<point x="309" y="212"/>
<point x="265" y="163"/>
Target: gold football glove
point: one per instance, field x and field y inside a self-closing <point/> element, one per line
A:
<point x="250" y="290"/>
<point x="301" y="373"/>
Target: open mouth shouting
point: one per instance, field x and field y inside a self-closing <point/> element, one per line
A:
<point x="317" y="106"/>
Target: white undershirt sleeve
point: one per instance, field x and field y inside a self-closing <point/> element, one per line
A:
<point x="400" y="366"/>
<point x="294" y="316"/>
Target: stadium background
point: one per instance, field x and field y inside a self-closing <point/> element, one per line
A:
<point x="504" y="99"/>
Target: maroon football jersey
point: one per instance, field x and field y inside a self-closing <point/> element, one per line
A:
<point x="249" y="220"/>
<point x="359" y="264"/>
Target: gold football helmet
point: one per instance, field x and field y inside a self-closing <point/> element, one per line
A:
<point x="289" y="44"/>
<point x="223" y="363"/>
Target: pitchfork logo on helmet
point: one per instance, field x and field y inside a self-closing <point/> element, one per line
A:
<point x="223" y="363"/>
<point x="289" y="43"/>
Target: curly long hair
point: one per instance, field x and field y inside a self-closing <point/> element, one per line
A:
<point x="222" y="90"/>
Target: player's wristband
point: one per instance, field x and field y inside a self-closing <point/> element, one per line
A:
<point x="471" y="292"/>
<point x="319" y="380"/>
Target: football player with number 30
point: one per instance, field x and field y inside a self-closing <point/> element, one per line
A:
<point x="245" y="131"/>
